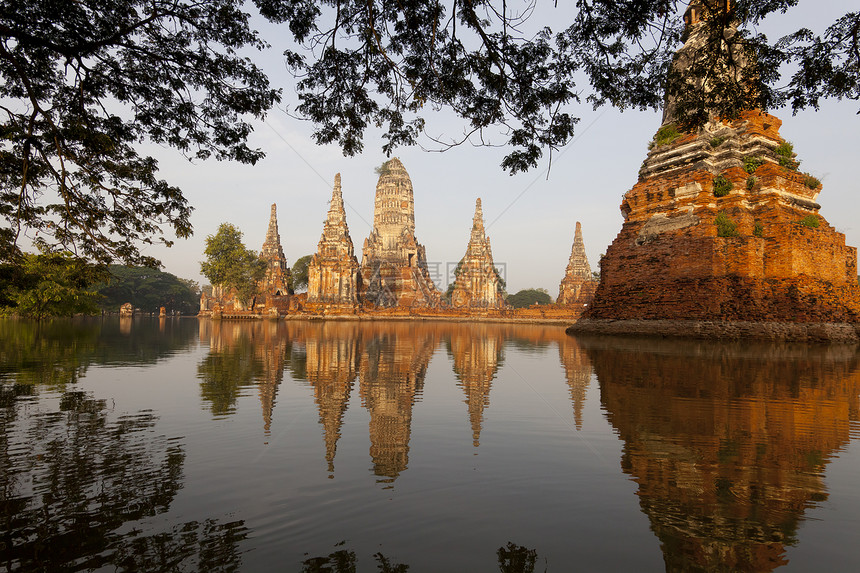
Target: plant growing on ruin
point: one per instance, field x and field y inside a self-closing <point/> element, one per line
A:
<point x="383" y="169"/>
<point x="751" y="163"/>
<point x="751" y="181"/>
<point x="717" y="141"/>
<point x="722" y="186"/>
<point x="725" y="226"/>
<point x="665" y="135"/>
<point x="758" y="229"/>
<point x="786" y="155"/>
<point x="810" y="221"/>
<point x="811" y="181"/>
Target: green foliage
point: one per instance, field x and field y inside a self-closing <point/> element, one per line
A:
<point x="299" y="273"/>
<point x="751" y="182"/>
<point x="810" y="221"/>
<point x="811" y="181"/>
<point x="528" y="297"/>
<point x="758" y="229"/>
<point x="665" y="135"/>
<point x="786" y="155"/>
<point x="383" y="69"/>
<point x="230" y="264"/>
<point x="85" y="82"/>
<point x="148" y="289"/>
<point x="717" y="141"/>
<point x="722" y="186"/>
<point x="751" y="163"/>
<point x="383" y="169"/>
<point x="725" y="226"/>
<point x="50" y="284"/>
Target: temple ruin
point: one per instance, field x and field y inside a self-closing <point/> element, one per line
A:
<point x="722" y="226"/>
<point x="578" y="285"/>
<point x="394" y="265"/>
<point x="277" y="280"/>
<point x="477" y="282"/>
<point x="333" y="273"/>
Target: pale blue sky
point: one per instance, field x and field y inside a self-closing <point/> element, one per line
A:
<point x="530" y="219"/>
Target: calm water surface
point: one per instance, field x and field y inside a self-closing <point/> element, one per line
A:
<point x="164" y="445"/>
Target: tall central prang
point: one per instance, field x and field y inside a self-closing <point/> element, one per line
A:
<point x="394" y="266"/>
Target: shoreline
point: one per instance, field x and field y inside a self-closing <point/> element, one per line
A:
<point x="842" y="332"/>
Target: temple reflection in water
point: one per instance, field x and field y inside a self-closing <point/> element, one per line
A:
<point x="728" y="443"/>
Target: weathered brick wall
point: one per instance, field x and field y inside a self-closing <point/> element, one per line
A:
<point x="669" y="262"/>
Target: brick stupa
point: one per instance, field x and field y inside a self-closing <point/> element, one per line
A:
<point x="333" y="274"/>
<point x="277" y="280"/>
<point x="722" y="228"/>
<point x="578" y="285"/>
<point x="394" y="265"/>
<point x="477" y="283"/>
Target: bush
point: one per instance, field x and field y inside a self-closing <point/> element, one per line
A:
<point x="665" y="135"/>
<point x="752" y="163"/>
<point x="717" y="141"/>
<point x="725" y="226"/>
<point x="722" y="186"/>
<point x="786" y="156"/>
<point x="751" y="181"/>
<point x="758" y="229"/>
<point x="528" y="297"/>
<point x="811" y="182"/>
<point x="810" y="221"/>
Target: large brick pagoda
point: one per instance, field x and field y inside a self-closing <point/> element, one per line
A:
<point x="722" y="226"/>
<point x="394" y="265"/>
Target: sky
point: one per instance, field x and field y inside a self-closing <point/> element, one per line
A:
<point x="530" y="218"/>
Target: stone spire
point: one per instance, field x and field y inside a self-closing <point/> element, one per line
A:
<point x="578" y="285"/>
<point x="277" y="280"/>
<point x="333" y="273"/>
<point x="394" y="265"/>
<point x="477" y="283"/>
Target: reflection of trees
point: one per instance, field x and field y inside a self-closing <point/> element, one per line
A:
<point x="52" y="353"/>
<point x="512" y="558"/>
<point x="477" y="353"/>
<point x="58" y="352"/>
<point x="392" y="372"/>
<point x="241" y="355"/>
<point x="74" y="479"/>
<point x="515" y="558"/>
<point x="727" y="443"/>
<point x="344" y="561"/>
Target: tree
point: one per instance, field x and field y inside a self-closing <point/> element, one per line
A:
<point x="148" y="289"/>
<point x="528" y="297"/>
<point x="379" y="63"/>
<point x="230" y="264"/>
<point x="84" y="82"/>
<point x="299" y="273"/>
<point x="51" y="284"/>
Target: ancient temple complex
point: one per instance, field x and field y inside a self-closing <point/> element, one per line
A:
<point x="723" y="226"/>
<point x="333" y="273"/>
<point x="578" y="285"/>
<point x="277" y="280"/>
<point x="477" y="283"/>
<point x="394" y="265"/>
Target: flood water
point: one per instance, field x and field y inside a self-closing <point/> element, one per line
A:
<point x="173" y="444"/>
